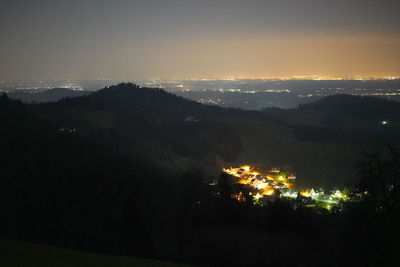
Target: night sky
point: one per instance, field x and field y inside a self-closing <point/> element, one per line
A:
<point x="196" y="39"/>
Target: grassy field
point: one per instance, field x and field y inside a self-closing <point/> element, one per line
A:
<point x="21" y="254"/>
<point x="315" y="163"/>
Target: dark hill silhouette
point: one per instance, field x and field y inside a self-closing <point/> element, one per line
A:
<point x="362" y="107"/>
<point x="129" y="98"/>
<point x="178" y="132"/>
<point x="51" y="95"/>
<point x="151" y="122"/>
<point x="343" y="117"/>
<point x="150" y="101"/>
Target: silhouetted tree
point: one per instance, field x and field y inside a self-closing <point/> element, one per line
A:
<point x="380" y="177"/>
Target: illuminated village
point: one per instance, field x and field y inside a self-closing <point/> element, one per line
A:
<point x="276" y="183"/>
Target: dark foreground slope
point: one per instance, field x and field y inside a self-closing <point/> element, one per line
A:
<point x="24" y="254"/>
<point x="67" y="190"/>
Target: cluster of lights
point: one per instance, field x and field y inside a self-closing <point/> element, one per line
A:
<point x="268" y="184"/>
<point x="263" y="184"/>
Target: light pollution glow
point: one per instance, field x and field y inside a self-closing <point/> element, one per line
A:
<point x="198" y="39"/>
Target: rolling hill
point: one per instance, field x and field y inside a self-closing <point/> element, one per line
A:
<point x="320" y="141"/>
<point x="357" y="108"/>
<point x="344" y="118"/>
<point x="125" y="171"/>
<point x="153" y="123"/>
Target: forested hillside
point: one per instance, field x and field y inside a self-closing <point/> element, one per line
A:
<point x="136" y="172"/>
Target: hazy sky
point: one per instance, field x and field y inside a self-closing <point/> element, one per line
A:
<point x="54" y="39"/>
